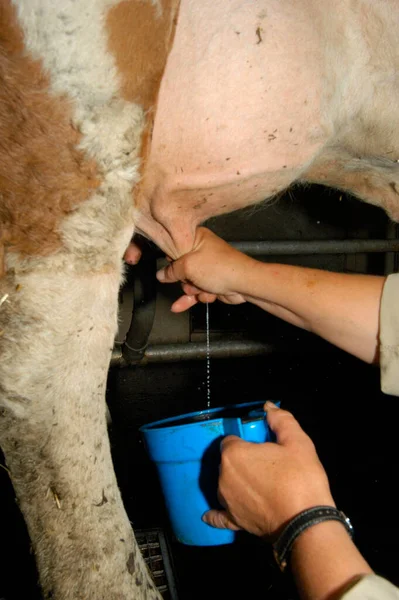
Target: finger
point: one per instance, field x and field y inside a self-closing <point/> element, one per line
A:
<point x="206" y="297"/>
<point x="231" y="440"/>
<point x="167" y="275"/>
<point x="183" y="303"/>
<point x="132" y="254"/>
<point x="220" y="519"/>
<point x="284" y="425"/>
<point x="173" y="272"/>
<point x="190" y="289"/>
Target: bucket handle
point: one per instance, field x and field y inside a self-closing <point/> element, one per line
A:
<point x="233" y="426"/>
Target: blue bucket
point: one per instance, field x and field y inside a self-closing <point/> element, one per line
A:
<point x="186" y="452"/>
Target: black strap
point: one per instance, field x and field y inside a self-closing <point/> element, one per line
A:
<point x="305" y="519"/>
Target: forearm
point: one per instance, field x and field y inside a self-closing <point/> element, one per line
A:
<point x="341" y="308"/>
<point x="324" y="561"/>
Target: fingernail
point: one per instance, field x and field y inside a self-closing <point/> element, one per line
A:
<point x="161" y="275"/>
<point x="270" y="404"/>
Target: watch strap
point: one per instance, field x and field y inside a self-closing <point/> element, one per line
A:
<point x="301" y="522"/>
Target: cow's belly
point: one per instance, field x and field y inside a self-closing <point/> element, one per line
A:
<point x="258" y="94"/>
<point x="238" y="116"/>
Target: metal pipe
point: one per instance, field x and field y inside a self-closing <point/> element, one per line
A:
<point x="166" y="353"/>
<point x="292" y="247"/>
<point x="229" y="349"/>
<point x="287" y="247"/>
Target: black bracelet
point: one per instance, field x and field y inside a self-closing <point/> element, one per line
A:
<point x="305" y="519"/>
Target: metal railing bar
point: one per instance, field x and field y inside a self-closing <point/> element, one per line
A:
<point x="288" y="247"/>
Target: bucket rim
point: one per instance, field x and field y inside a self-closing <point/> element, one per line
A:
<point x="174" y="421"/>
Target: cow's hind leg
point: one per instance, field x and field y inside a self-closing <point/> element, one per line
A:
<point x="57" y="334"/>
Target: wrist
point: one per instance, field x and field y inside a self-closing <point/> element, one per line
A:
<point x="243" y="274"/>
<point x="254" y="281"/>
<point x="318" y="534"/>
<point x="324" y="561"/>
<point x="303" y="522"/>
<point x="306" y="522"/>
<point x="297" y="503"/>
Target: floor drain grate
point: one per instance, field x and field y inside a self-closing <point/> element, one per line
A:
<point x="156" y="553"/>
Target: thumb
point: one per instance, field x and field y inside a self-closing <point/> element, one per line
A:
<point x="168" y="274"/>
<point x="284" y="425"/>
<point x="220" y="519"/>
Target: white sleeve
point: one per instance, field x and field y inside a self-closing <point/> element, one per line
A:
<point x="389" y="336"/>
<point x="372" y="587"/>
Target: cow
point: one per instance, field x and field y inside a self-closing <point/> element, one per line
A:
<point x="150" y="116"/>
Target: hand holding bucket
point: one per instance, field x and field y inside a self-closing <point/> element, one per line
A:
<point x="186" y="451"/>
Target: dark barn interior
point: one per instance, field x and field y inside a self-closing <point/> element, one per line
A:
<point x="336" y="398"/>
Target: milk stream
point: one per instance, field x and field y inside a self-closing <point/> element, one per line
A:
<point x="208" y="360"/>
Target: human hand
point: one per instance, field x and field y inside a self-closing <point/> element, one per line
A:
<point x="262" y="486"/>
<point x="211" y="270"/>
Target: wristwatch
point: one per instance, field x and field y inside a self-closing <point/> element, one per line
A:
<point x="301" y="522"/>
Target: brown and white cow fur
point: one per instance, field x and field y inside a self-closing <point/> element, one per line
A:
<point x="163" y="114"/>
<point x="69" y="158"/>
